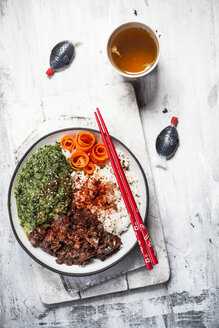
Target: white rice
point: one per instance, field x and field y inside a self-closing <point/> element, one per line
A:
<point x="117" y="221"/>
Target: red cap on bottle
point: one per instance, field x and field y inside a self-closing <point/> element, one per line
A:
<point x="50" y="72"/>
<point x="174" y="120"/>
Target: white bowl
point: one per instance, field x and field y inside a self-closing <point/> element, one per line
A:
<point x="128" y="238"/>
<point x="138" y="25"/>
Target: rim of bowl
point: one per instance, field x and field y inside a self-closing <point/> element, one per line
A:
<point x="123" y="27"/>
<point x="10" y="214"/>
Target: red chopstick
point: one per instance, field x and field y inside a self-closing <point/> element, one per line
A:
<point x="125" y="198"/>
<point x="122" y="188"/>
<point x="129" y="193"/>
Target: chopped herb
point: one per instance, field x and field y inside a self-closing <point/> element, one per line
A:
<point x="43" y="187"/>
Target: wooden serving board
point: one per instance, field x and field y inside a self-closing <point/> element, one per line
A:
<point x="26" y="122"/>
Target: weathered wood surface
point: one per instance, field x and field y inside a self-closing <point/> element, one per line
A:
<point x="61" y="111"/>
<point x="186" y="83"/>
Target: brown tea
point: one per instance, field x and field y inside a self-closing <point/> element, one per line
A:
<point x="133" y="50"/>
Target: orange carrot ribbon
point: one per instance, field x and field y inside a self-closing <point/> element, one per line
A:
<point x="90" y="168"/>
<point x="79" y="160"/>
<point x="99" y="154"/>
<point x="85" y="141"/>
<point x="68" y="143"/>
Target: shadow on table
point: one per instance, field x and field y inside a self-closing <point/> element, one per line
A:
<point x="145" y="88"/>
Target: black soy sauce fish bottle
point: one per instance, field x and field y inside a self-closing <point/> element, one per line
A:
<point x="61" y="56"/>
<point x="168" y="140"/>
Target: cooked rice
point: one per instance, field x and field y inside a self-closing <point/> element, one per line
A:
<point x="111" y="211"/>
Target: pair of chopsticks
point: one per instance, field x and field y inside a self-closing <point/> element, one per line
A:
<point x="135" y="217"/>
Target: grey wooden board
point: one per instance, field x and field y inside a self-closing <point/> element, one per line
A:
<point x="61" y="111"/>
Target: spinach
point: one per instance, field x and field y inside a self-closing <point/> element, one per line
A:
<point x="43" y="187"/>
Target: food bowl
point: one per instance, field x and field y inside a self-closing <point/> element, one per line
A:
<point x="128" y="238"/>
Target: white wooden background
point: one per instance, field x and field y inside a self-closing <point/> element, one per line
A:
<point x="186" y="83"/>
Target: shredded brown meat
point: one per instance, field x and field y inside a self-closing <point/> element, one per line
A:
<point x="75" y="238"/>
